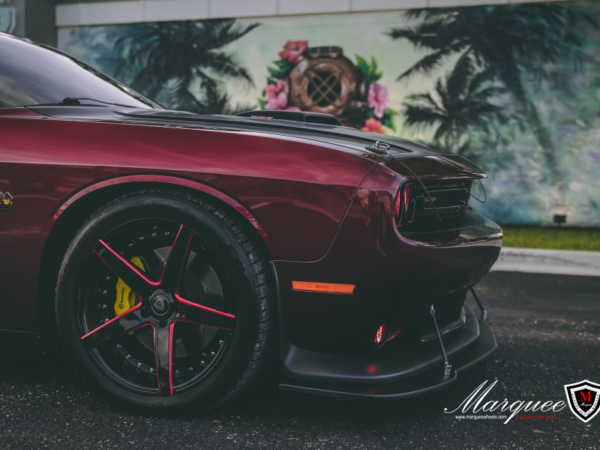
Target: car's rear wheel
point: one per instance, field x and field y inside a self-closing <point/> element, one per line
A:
<point x="164" y="299"/>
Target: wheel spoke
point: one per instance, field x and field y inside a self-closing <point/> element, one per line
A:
<point x="177" y="259"/>
<point x="125" y="323"/>
<point x="163" y="349"/>
<point x="125" y="270"/>
<point x="194" y="313"/>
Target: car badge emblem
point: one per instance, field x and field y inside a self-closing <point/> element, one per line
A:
<point x="160" y="305"/>
<point x="583" y="399"/>
<point x="6" y="201"/>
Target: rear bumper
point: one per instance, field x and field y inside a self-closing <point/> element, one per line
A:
<point x="390" y="375"/>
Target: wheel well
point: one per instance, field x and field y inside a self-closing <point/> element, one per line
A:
<point x="69" y="223"/>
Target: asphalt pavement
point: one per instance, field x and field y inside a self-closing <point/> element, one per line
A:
<point x="548" y="331"/>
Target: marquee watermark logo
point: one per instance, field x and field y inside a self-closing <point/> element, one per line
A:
<point x="477" y="407"/>
<point x="583" y="399"/>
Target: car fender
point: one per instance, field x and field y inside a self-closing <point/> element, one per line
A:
<point x="166" y="180"/>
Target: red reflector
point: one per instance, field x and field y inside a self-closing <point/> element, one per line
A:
<point x="398" y="208"/>
<point x="330" y="288"/>
<point x="407" y="192"/>
<point x="402" y="204"/>
<point x="379" y="334"/>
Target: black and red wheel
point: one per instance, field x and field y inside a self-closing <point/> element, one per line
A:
<point x="164" y="299"/>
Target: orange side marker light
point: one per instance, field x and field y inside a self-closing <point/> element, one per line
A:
<point x="328" y="288"/>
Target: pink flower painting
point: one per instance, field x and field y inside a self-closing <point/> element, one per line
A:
<point x="276" y="95"/>
<point x="378" y="99"/>
<point x="292" y="50"/>
<point x="284" y="93"/>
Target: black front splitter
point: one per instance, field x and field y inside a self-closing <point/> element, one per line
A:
<point x="431" y="380"/>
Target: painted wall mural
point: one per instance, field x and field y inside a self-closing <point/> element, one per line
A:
<point x="514" y="88"/>
<point x="322" y="79"/>
<point x="8" y="15"/>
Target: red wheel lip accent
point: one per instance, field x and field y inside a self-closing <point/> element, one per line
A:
<point x="183" y="262"/>
<point x="158" y="283"/>
<point x="206" y="308"/>
<point x="156" y="361"/>
<point x="155" y="357"/>
<point x="127" y="263"/>
<point x="137" y="306"/>
<point x="171" y="331"/>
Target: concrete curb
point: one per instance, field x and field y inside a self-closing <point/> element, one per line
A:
<point x="559" y="262"/>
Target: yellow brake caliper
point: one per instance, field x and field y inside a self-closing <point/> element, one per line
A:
<point x="125" y="296"/>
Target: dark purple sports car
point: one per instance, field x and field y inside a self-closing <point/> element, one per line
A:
<point x="177" y="257"/>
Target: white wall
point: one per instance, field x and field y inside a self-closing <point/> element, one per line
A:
<point x="164" y="10"/>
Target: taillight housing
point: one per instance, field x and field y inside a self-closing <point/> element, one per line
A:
<point x="387" y="332"/>
<point x="380" y="335"/>
<point x="402" y="204"/>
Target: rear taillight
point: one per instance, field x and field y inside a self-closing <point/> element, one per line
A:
<point x="402" y="204"/>
<point x="398" y="207"/>
<point x="431" y="201"/>
<point x="379" y="335"/>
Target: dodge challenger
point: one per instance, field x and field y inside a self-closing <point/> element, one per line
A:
<point x="177" y="258"/>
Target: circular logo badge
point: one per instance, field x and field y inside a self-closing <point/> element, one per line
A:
<point x="160" y="305"/>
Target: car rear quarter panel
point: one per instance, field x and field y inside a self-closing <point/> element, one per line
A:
<point x="297" y="193"/>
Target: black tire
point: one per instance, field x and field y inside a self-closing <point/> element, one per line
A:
<point x="243" y="270"/>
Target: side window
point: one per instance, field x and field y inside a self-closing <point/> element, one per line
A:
<point x="12" y="91"/>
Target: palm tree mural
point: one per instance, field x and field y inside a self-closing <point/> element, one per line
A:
<point x="179" y="64"/>
<point x="458" y="106"/>
<point x="515" y="44"/>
